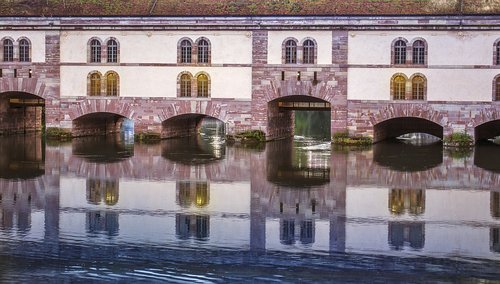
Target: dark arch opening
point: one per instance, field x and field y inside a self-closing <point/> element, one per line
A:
<point x="281" y="112"/>
<point x="101" y="123"/>
<point x="396" y="127"/>
<point x="487" y="131"/>
<point x="192" y="124"/>
<point x="21" y="113"/>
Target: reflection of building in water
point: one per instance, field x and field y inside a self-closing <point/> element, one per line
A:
<point x="22" y="156"/>
<point x="193" y="193"/>
<point x="192" y="226"/>
<point x="289" y="233"/>
<point x="102" y="222"/>
<point x="406" y="233"/>
<point x="403" y="234"/>
<point x="495" y="240"/>
<point x="15" y="211"/>
<point x="495" y="204"/>
<point x="410" y="201"/>
<point x="101" y="190"/>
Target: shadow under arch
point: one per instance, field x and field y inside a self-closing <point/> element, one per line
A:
<point x="486" y="156"/>
<point x="284" y="169"/>
<point x="394" y="127"/>
<point x="22" y="156"/>
<point x="405" y="157"/>
<point x="102" y="149"/>
<point x="186" y="125"/>
<point x="98" y="123"/>
<point x="487" y="130"/>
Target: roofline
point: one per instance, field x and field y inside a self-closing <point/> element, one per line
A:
<point x="417" y="22"/>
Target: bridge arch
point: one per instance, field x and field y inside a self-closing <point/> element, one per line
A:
<point x="486" y="124"/>
<point x="394" y="127"/>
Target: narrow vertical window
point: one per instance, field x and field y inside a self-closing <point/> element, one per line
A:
<point x="309" y="47"/>
<point x="95" y="84"/>
<point x="185" y="85"/>
<point x="203" y="51"/>
<point x="24" y="51"/>
<point x="112" y="51"/>
<point x="186" y="50"/>
<point x="112" y="85"/>
<point x="400" y="52"/>
<point x="399" y="84"/>
<point x="417" y="85"/>
<point x="290" y="52"/>
<point x="8" y="50"/>
<point x="202" y="85"/>
<point x="498" y="53"/>
<point x="497" y="92"/>
<point x="95" y="51"/>
<point x="418" y="52"/>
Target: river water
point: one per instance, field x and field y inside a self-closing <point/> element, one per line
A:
<point x="195" y="210"/>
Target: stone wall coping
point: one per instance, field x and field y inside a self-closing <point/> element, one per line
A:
<point x="435" y="22"/>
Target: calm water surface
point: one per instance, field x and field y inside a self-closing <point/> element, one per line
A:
<point x="194" y="210"/>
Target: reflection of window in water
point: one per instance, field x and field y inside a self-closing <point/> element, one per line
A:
<point x="193" y="193"/>
<point x="307" y="232"/>
<point x="192" y="226"/>
<point x="406" y="234"/>
<point x="287" y="232"/>
<point x="407" y="201"/>
<point x="495" y="240"/>
<point x="102" y="222"/>
<point x="106" y="191"/>
<point x="495" y="204"/>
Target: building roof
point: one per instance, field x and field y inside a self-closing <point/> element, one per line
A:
<point x="246" y="7"/>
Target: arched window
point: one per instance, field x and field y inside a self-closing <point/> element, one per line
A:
<point x="202" y="85"/>
<point x="419" y="52"/>
<point x="291" y="52"/>
<point x="417" y="88"/>
<point x="203" y="51"/>
<point x="398" y="87"/>
<point x="112" y="84"/>
<point x="308" y="52"/>
<point x="8" y="50"/>
<point x="95" y="84"/>
<point x="95" y="51"/>
<point x="112" y="51"/>
<point x="185" y="85"/>
<point x="497" y="90"/>
<point x="186" y="50"/>
<point x="24" y="51"/>
<point x="400" y="52"/>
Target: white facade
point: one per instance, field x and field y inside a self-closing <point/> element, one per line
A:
<point x="148" y="64"/>
<point x="457" y="64"/>
<point x="36" y="39"/>
<point x="323" y="40"/>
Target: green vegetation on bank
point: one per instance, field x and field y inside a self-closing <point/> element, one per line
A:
<point x="249" y="137"/>
<point x="343" y="138"/>
<point x="147" y="137"/>
<point x="56" y="133"/>
<point x="458" y="139"/>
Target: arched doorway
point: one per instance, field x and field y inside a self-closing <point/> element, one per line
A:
<point x="314" y="113"/>
<point x="100" y="123"/>
<point x="21" y="112"/>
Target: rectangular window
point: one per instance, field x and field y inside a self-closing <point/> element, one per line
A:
<point x="15" y="73"/>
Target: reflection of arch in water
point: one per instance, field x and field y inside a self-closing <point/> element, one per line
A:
<point x="486" y="157"/>
<point x="406" y="157"/>
<point x="395" y="127"/>
<point x="286" y="168"/>
<point x="192" y="226"/>
<point x="192" y="151"/>
<point x="495" y="204"/>
<point x="106" y="191"/>
<point x="409" y="201"/>
<point x="406" y="234"/>
<point x="102" y="149"/>
<point x="22" y="156"/>
<point x="193" y="193"/>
